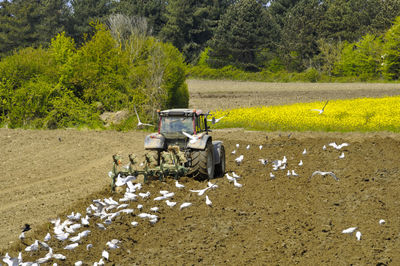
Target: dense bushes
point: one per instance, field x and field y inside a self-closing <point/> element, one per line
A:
<point x="65" y="86"/>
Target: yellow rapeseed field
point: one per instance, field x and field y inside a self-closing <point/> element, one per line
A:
<point x="364" y="114"/>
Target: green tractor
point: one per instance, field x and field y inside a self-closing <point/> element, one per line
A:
<point x="182" y="146"/>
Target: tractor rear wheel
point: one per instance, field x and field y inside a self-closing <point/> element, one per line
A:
<point x="203" y="163"/>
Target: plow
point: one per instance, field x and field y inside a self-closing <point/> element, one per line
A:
<point x="181" y="147"/>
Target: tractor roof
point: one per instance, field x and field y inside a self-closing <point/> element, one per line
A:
<point x="181" y="112"/>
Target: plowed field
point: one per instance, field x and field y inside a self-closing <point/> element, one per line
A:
<point x="285" y="220"/>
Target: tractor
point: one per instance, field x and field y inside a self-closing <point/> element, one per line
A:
<point x="181" y="147"/>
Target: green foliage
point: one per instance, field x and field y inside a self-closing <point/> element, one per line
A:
<point x="65" y="86"/>
<point x="391" y="52"/>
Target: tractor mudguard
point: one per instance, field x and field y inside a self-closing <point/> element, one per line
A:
<point x="217" y="151"/>
<point x="200" y="144"/>
<point x="154" y="141"/>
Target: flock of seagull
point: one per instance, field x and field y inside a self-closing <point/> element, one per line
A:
<point x="77" y="227"/>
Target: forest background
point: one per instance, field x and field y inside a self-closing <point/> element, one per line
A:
<point x="63" y="63"/>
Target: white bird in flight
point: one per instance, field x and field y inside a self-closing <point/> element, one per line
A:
<point x="122" y="181"/>
<point x="139" y="124"/>
<point x="321" y="110"/>
<point x="338" y="147"/>
<point x="239" y="159"/>
<point x="324" y="174"/>
<point x="215" y="120"/>
<point x="193" y="138"/>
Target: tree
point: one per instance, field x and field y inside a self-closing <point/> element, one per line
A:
<point x="83" y="13"/>
<point x="240" y="36"/>
<point x="391" y="52"/>
<point x="190" y="24"/>
<point x="152" y="10"/>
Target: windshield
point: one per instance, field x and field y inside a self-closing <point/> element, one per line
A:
<point x="173" y="124"/>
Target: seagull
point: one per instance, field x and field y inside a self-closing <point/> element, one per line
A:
<point x="71" y="246"/>
<point x="208" y="201"/>
<point x="154" y="209"/>
<point x="381" y="221"/>
<point x="89" y="246"/>
<point x="145" y="195"/>
<point x="239" y="159"/>
<point x="233" y="152"/>
<point x="324" y="147"/>
<point x="235" y="175"/>
<point x="22" y="236"/>
<point x="185" y="205"/>
<point x="260" y="147"/>
<point x="170" y="203"/>
<point x="358" y="235"/>
<point x="324" y="174"/>
<point x="301" y="163"/>
<point x="139" y="124"/>
<point x="122" y="181"/>
<point x="248" y="147"/>
<point x="193" y="138"/>
<point x="236" y="184"/>
<point x="294" y="173"/>
<point x="178" y="185"/>
<point x="322" y="110"/>
<point x="288" y="173"/>
<point x="85" y="221"/>
<point x="112" y="244"/>
<point x="101" y="226"/>
<point x="140" y="206"/>
<point x="47" y="237"/>
<point x="349" y="230"/>
<point x="78" y="263"/>
<point x="271" y="175"/>
<point x="341" y="156"/>
<point x="263" y="161"/>
<point x="105" y="254"/>
<point x="215" y="120"/>
<point x="230" y="178"/>
<point x="33" y="247"/>
<point x="74" y="217"/>
<point x="200" y="192"/>
<point x="237" y="146"/>
<point x="305" y="152"/>
<point x="338" y="147"/>
<point x="134" y="223"/>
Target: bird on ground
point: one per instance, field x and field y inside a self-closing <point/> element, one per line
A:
<point x="208" y="201"/>
<point x="47" y="237"/>
<point x="62" y="236"/>
<point x="338" y="147"/>
<point x="324" y="147"/>
<point x="144" y="195"/>
<point x="321" y="110"/>
<point x="71" y="246"/>
<point x="341" y="156"/>
<point x="78" y="263"/>
<point x="89" y="246"/>
<point x="85" y="221"/>
<point x="324" y="174"/>
<point x="170" y="203"/>
<point x="349" y="230"/>
<point x="134" y="223"/>
<point x="154" y="209"/>
<point x="248" y="147"/>
<point x="178" y="185"/>
<point x="263" y="161"/>
<point x="139" y="124"/>
<point x="33" y="247"/>
<point x="288" y="173"/>
<point x="358" y="235"/>
<point x="301" y="163"/>
<point x="112" y="244"/>
<point x="239" y="159"/>
<point x="185" y="205"/>
<point x="271" y="175"/>
<point x="260" y="147"/>
<point x="105" y="254"/>
<point x="233" y="152"/>
<point x="22" y="236"/>
<point x="193" y="138"/>
<point x="101" y="226"/>
<point x="237" y="146"/>
<point x="294" y="173"/>
<point x="230" y="178"/>
<point x="11" y="261"/>
<point x="140" y="206"/>
<point x="236" y="184"/>
<point x="305" y="152"/>
<point x="381" y="221"/>
<point x="74" y="217"/>
<point x="235" y="175"/>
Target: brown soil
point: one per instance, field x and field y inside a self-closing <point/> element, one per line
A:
<point x="47" y="174"/>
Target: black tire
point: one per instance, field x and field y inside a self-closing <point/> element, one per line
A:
<point x="220" y="168"/>
<point x="203" y="163"/>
